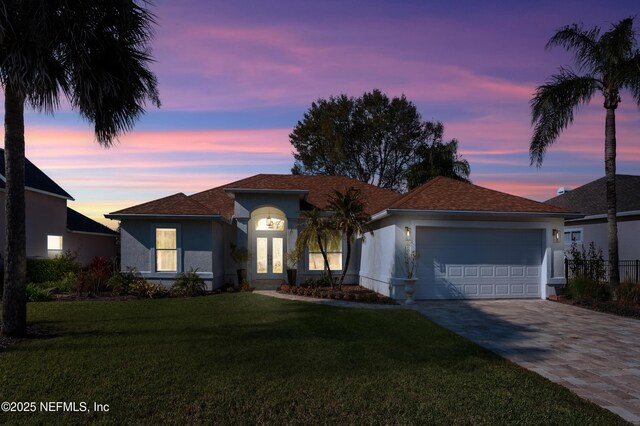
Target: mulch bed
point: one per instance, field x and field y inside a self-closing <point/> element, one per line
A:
<point x="352" y="293"/>
<point x="610" y="307"/>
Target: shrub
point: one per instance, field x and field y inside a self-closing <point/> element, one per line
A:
<point x="284" y="287"/>
<point x="41" y="270"/>
<point x="37" y="294"/>
<point x="582" y="287"/>
<point x="628" y="293"/>
<point x="100" y="271"/>
<point x="146" y="289"/>
<point x="188" y="284"/>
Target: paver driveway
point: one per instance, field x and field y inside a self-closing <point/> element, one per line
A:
<point x="595" y="355"/>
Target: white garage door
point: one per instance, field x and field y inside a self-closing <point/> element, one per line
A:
<point x="457" y="263"/>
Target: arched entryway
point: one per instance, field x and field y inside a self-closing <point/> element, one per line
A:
<point x="268" y="227"/>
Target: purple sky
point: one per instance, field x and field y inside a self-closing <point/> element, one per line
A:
<point x="235" y="77"/>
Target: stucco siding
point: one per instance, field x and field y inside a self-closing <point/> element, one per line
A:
<point x="135" y="245"/>
<point x="87" y="246"/>
<point x="628" y="237"/>
<point x="378" y="259"/>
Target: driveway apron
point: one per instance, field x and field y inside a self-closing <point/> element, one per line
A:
<point x="595" y="355"/>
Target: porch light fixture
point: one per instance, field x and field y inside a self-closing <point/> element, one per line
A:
<point x="407" y="231"/>
<point x="556" y="235"/>
<point x="269" y="221"/>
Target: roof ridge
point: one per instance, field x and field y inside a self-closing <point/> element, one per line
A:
<point x="415" y="191"/>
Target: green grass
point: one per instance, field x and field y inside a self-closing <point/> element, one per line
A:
<point x="247" y="359"/>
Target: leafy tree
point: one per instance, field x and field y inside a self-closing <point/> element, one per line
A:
<point x="608" y="63"/>
<point x="437" y="159"/>
<point x="96" y="54"/>
<point x="349" y="218"/>
<point x="371" y="138"/>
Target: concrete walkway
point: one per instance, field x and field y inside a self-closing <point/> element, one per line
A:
<point x="595" y="355"/>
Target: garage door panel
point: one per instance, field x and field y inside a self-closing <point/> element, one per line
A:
<point x="478" y="263"/>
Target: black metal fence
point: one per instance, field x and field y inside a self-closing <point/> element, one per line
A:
<point x="600" y="269"/>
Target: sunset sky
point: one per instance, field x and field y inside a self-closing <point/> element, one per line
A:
<point x="235" y="77"/>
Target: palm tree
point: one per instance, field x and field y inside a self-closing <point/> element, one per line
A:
<point x="438" y="159"/>
<point x="315" y="230"/>
<point x="349" y="218"/>
<point x="95" y="53"/>
<point x="608" y="63"/>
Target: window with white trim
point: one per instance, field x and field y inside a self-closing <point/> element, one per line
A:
<point x="166" y="250"/>
<point x="54" y="242"/>
<point x="573" y="236"/>
<point x="333" y="249"/>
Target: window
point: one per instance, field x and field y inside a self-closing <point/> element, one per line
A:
<point x="572" y="236"/>
<point x="333" y="249"/>
<point x="54" y="242"/>
<point x="166" y="250"/>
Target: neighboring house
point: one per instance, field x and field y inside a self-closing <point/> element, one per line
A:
<point x="473" y="242"/>
<point x="52" y="227"/>
<point x="591" y="200"/>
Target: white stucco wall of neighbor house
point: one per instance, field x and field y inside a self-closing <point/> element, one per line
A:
<point x="45" y="215"/>
<point x="198" y="246"/>
<point x="628" y="237"/>
<point x="382" y="262"/>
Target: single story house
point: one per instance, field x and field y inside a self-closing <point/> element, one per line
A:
<point x="51" y="227"/>
<point x="591" y="200"/>
<point x="472" y="242"/>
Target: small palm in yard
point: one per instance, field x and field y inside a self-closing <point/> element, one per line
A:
<point x="315" y="231"/>
<point x="608" y="63"/>
<point x="96" y="54"/>
<point x="189" y="284"/>
<point x="350" y="219"/>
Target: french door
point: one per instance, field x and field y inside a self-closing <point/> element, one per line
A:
<point x="269" y="260"/>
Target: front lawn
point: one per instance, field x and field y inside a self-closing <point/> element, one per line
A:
<point x="247" y="359"/>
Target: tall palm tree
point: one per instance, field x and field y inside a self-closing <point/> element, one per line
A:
<point x="349" y="218"/>
<point x="315" y="230"/>
<point x="96" y="54"/>
<point x="438" y="159"/>
<point x="608" y="63"/>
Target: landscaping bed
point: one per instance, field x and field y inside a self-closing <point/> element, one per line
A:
<point x="608" y="307"/>
<point x="350" y="292"/>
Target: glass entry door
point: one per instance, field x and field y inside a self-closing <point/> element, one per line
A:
<point x="269" y="257"/>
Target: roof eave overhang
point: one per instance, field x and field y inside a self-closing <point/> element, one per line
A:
<point x="423" y="212"/>
<point x="118" y="216"/>
<point x="301" y="193"/>
<point x="104" y="234"/>
<point x="604" y="215"/>
<point x="40" y="191"/>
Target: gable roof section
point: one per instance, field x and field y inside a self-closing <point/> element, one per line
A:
<point x="218" y="201"/>
<point x="320" y="189"/>
<point x="446" y="194"/>
<point x="35" y="179"/>
<point x="591" y="198"/>
<point x="173" y="205"/>
<point x="77" y="222"/>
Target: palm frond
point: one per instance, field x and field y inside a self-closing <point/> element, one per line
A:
<point x="584" y="44"/>
<point x="553" y="106"/>
<point x="630" y="76"/>
<point x="618" y="44"/>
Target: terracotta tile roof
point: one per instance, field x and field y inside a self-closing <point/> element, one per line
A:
<point x="177" y="204"/>
<point x="443" y="193"/>
<point x="591" y="198"/>
<point x="321" y="188"/>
